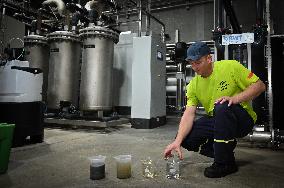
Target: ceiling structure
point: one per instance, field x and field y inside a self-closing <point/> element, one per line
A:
<point x="155" y="4"/>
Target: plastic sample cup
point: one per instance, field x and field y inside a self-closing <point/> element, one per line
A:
<point x="123" y="166"/>
<point x="97" y="167"/>
<point x="149" y="168"/>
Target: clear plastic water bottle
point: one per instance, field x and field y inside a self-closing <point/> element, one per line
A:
<point x="173" y="168"/>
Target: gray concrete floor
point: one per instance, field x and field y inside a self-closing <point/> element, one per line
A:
<point x="62" y="161"/>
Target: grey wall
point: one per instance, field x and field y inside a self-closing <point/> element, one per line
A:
<point x="193" y="24"/>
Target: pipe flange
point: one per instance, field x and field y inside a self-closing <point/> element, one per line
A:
<point x="273" y="137"/>
<point x="277" y="138"/>
<point x="97" y="31"/>
<point x="63" y="36"/>
<point x="35" y="39"/>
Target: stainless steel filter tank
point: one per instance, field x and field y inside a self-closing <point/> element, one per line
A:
<point x="97" y="68"/>
<point x="64" y="68"/>
<point x="37" y="53"/>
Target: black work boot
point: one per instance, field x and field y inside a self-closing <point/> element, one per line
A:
<point x="220" y="170"/>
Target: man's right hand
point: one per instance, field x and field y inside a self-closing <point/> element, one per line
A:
<point x="173" y="146"/>
<point x="185" y="127"/>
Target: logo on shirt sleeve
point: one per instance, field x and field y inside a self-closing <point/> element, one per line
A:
<point x="250" y="75"/>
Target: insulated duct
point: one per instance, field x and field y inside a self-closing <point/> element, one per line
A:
<point x="59" y="5"/>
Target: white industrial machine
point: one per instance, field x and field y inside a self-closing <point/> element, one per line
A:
<point x="21" y="100"/>
<point x="148" y="109"/>
<point x="122" y="73"/>
<point x="19" y="83"/>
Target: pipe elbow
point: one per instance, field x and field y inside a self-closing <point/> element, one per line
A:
<point x="90" y="5"/>
<point x="59" y="4"/>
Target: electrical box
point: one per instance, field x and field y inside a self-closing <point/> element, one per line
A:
<point x="148" y="109"/>
<point x="21" y="101"/>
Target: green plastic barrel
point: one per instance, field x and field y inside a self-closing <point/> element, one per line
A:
<point x="6" y="137"/>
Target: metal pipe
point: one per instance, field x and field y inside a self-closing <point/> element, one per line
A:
<point x="259" y="128"/>
<point x="166" y="7"/>
<point x="171" y="68"/>
<point x="232" y="16"/>
<point x="249" y="55"/>
<point x="139" y="6"/>
<point x="257" y="136"/>
<point x="275" y="137"/>
<point x="39" y="21"/>
<point x="226" y="52"/>
<point x="171" y="89"/>
<point x="182" y="5"/>
<point x="220" y="12"/>
<point x="156" y="19"/>
<point x="121" y="23"/>
<point x="188" y="67"/>
<point x="259" y="11"/>
<point x="172" y="45"/>
<point x="179" y="94"/>
<point x="177" y="36"/>
<point x="215" y="12"/>
<point x="126" y="22"/>
<point x="180" y="87"/>
<point x="269" y="66"/>
<point x="171" y="81"/>
<point x="215" y="25"/>
<point x="148" y="18"/>
<point x="153" y="17"/>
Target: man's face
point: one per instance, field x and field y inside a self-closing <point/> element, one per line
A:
<point x="201" y="66"/>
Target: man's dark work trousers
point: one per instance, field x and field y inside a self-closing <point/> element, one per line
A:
<point x="216" y="136"/>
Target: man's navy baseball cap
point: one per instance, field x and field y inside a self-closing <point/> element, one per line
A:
<point x="197" y="50"/>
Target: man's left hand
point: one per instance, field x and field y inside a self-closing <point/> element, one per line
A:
<point x="231" y="100"/>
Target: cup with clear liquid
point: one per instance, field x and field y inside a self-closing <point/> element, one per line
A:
<point x="149" y="169"/>
<point x="173" y="167"/>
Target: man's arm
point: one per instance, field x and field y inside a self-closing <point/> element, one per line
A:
<point x="185" y="127"/>
<point x="248" y="94"/>
<point x="186" y="123"/>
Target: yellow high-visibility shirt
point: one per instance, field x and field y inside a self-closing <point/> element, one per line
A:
<point x="228" y="78"/>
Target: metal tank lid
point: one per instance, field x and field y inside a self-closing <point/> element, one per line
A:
<point x="38" y="39"/>
<point x="98" y="31"/>
<point x="63" y="35"/>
